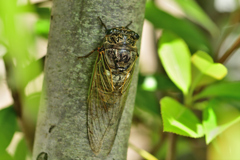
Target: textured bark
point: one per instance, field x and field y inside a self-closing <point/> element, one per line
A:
<point x="75" y="30"/>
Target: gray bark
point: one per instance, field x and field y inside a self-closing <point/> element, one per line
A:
<point x="75" y="30"/>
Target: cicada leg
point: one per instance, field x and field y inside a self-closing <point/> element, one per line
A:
<point x="128" y="24"/>
<point x="85" y="56"/>
<point x="102" y="23"/>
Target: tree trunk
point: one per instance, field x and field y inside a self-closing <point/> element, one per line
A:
<point x="75" y="30"/>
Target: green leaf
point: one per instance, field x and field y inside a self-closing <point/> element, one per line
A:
<point x="147" y="101"/>
<point x="8" y="126"/>
<point x="205" y="71"/>
<point x="180" y="120"/>
<point x="31" y="104"/>
<point x="21" y="150"/>
<point x="31" y="71"/>
<point x="44" y="13"/>
<point x="196" y="14"/>
<point x="210" y="123"/>
<point x="156" y="82"/>
<point x="200" y="105"/>
<point x="42" y="27"/>
<point x="210" y="120"/>
<point x="24" y="8"/>
<point x="222" y="89"/>
<point x="164" y="83"/>
<point x="175" y="58"/>
<point x="183" y="28"/>
<point x="5" y="156"/>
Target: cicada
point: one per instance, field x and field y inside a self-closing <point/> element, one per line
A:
<point x="111" y="79"/>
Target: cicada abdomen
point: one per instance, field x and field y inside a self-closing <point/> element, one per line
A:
<point x="111" y="79"/>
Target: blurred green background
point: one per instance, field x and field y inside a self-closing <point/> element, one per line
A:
<point x="208" y="25"/>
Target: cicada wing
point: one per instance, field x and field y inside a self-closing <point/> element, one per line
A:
<point x="104" y="110"/>
<point x="94" y="105"/>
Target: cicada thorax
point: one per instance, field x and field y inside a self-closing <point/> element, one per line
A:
<point x="120" y="52"/>
<point x="119" y="56"/>
<point x="115" y="72"/>
<point x="120" y="63"/>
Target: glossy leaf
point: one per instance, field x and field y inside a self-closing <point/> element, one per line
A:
<point x="42" y="27"/>
<point x="24" y="8"/>
<point x="147" y="101"/>
<point x="164" y="83"/>
<point x="21" y="150"/>
<point x="175" y="58"/>
<point x="8" y="126"/>
<point x="210" y="123"/>
<point x="210" y="120"/>
<point x="179" y="119"/>
<point x="205" y="71"/>
<point x="183" y="28"/>
<point x="222" y="89"/>
<point x="156" y="82"/>
<point x="5" y="156"/>
<point x="31" y="71"/>
<point x="43" y="13"/>
<point x="15" y="32"/>
<point x="196" y="14"/>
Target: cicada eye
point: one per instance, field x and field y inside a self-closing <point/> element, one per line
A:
<point x="109" y="31"/>
<point x="136" y="36"/>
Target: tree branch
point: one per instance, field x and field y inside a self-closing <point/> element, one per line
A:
<point x="75" y="31"/>
<point x="172" y="146"/>
<point x="230" y="51"/>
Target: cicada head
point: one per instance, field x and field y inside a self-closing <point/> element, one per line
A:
<point x="121" y="36"/>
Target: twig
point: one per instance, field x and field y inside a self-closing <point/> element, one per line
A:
<point x="160" y="143"/>
<point x="17" y="95"/>
<point x="230" y="51"/>
<point x="9" y="66"/>
<point x="225" y="34"/>
<point x="172" y="146"/>
<point x="142" y="152"/>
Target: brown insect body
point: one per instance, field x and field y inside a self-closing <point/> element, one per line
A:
<point x="112" y="75"/>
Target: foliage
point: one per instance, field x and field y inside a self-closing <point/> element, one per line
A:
<point x="187" y="55"/>
<point x="197" y="96"/>
<point x="18" y="40"/>
<point x="8" y="122"/>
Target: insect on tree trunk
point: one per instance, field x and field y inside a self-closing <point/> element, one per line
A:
<point x="75" y="30"/>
